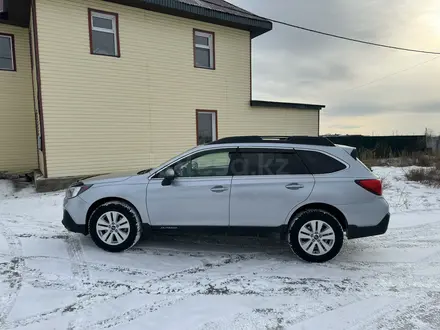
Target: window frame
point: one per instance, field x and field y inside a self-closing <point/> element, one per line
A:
<point x="214" y="114"/>
<point x="194" y="155"/>
<point x="211" y="47"/>
<point x="115" y="20"/>
<point x="12" y="43"/>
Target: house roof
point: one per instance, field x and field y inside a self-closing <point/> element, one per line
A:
<point x="223" y="6"/>
<point x="301" y="106"/>
<point x="212" y="11"/>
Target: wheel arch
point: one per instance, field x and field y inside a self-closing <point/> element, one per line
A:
<point x="102" y="201"/>
<point x="321" y="206"/>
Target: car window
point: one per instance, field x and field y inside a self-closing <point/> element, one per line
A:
<point x="176" y="157"/>
<point x="267" y="163"/>
<point x="319" y="163"/>
<point x="207" y="164"/>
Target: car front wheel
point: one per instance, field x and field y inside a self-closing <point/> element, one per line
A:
<point x="115" y="226"/>
<point x="315" y="236"/>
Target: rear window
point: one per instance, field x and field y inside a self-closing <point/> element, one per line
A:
<point x="319" y="163"/>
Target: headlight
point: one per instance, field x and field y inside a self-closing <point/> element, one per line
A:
<point x="76" y="189"/>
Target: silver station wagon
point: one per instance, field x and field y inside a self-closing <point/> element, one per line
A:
<point x="307" y="189"/>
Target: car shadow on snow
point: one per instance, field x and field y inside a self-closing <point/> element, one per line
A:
<point x="214" y="245"/>
<point x="210" y="244"/>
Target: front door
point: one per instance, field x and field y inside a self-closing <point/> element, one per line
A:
<point x="198" y="196"/>
<point x="267" y="185"/>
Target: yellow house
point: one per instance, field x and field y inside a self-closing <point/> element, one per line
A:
<point x="95" y="86"/>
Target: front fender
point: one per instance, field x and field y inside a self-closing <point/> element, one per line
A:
<point x="135" y="194"/>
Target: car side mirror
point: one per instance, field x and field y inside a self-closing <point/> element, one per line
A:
<point x="169" y="176"/>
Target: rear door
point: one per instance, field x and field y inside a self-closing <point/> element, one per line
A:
<point x="266" y="185"/>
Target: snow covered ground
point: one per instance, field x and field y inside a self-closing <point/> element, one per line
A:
<point x="51" y="279"/>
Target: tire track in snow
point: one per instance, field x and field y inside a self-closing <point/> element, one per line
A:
<point x="87" y="301"/>
<point x="80" y="270"/>
<point x="58" y="285"/>
<point x="93" y="265"/>
<point x="14" y="273"/>
<point x="423" y="311"/>
<point x="356" y="313"/>
<point x="129" y="315"/>
<point x="432" y="259"/>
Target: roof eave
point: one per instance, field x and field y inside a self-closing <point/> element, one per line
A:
<point x="285" y="105"/>
<point x="256" y="27"/>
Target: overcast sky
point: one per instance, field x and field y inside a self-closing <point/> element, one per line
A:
<point x="357" y="83"/>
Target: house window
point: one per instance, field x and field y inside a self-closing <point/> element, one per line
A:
<point x="104" y="33"/>
<point x="207" y="129"/>
<point x="7" y="55"/>
<point x="204" y="50"/>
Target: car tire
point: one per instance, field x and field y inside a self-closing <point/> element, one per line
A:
<point x="115" y="226"/>
<point x="315" y="236"/>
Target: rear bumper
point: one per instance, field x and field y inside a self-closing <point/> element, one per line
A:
<point x="70" y="225"/>
<point x="354" y="231"/>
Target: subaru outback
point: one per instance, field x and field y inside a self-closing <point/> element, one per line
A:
<point x="307" y="189"/>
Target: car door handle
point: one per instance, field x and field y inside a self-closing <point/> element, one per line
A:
<point x="294" y="186"/>
<point x="218" y="189"/>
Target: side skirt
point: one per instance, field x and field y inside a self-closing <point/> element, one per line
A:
<point x="217" y="230"/>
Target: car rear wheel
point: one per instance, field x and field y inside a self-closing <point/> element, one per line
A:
<point x="115" y="226"/>
<point x="315" y="236"/>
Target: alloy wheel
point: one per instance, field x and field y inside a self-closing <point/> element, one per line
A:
<point x="316" y="237"/>
<point x="113" y="228"/>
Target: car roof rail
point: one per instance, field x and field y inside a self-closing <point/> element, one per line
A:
<point x="312" y="140"/>
<point x="309" y="140"/>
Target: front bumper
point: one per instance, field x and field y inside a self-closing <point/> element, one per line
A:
<point x="70" y="225"/>
<point x="354" y="231"/>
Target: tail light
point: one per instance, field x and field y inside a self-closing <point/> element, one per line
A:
<point x="372" y="185"/>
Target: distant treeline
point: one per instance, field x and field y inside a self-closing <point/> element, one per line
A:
<point x="384" y="146"/>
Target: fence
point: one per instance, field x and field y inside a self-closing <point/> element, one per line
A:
<point x="386" y="146"/>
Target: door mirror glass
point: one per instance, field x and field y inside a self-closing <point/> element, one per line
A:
<point x="169" y="174"/>
<point x="194" y="166"/>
